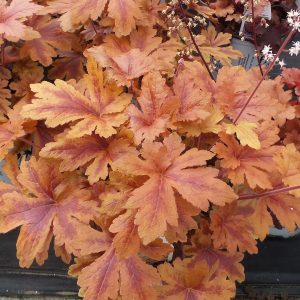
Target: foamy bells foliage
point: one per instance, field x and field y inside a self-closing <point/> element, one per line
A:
<point x="153" y="176"/>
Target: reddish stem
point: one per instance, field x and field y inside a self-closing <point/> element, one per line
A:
<point x="255" y="39"/>
<point x="269" y="193"/>
<point x="93" y="25"/>
<point x="286" y="41"/>
<point x="194" y="42"/>
<point x="3" y="53"/>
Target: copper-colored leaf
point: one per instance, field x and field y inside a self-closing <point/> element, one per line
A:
<point x="124" y="12"/>
<point x="12" y="19"/>
<point x="167" y="169"/>
<point x="232" y="228"/>
<point x="245" y="163"/>
<point x="154" y="110"/>
<point x="60" y="103"/>
<point x="202" y="249"/>
<point x="51" y="210"/>
<point x="96" y="151"/>
<point x="42" y="49"/>
<point x="198" y="281"/>
<point x="288" y="164"/>
<point x="100" y="280"/>
<point x="75" y="13"/>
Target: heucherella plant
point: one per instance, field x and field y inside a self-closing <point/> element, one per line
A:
<point x="147" y="170"/>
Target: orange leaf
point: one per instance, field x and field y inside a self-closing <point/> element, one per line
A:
<point x="193" y="103"/>
<point x="43" y="49"/>
<point x="12" y="18"/>
<point x="288" y="164"/>
<point x="198" y="281"/>
<point x="216" y="44"/>
<point x="126" y="241"/>
<point x="202" y="249"/>
<point x="233" y="88"/>
<point x="92" y="149"/>
<point x="61" y="103"/>
<point x="242" y="163"/>
<point x="100" y="280"/>
<point x="167" y="169"/>
<point x="75" y="13"/>
<point x="232" y="228"/>
<point x="124" y="12"/>
<point x="157" y="250"/>
<point x="130" y="57"/>
<point x="51" y="210"/>
<point x="185" y="221"/>
<point x="261" y="218"/>
<point x="156" y="108"/>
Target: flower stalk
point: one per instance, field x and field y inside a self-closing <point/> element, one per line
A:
<point x="267" y="71"/>
<point x="269" y="193"/>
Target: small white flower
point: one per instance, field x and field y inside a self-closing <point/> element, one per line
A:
<point x="267" y="53"/>
<point x="295" y="50"/>
<point x="293" y="18"/>
<point x="281" y="63"/>
<point x="266" y="50"/>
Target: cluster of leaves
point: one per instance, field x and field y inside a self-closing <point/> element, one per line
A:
<point x="142" y="167"/>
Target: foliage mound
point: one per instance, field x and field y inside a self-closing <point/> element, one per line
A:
<point x="147" y="169"/>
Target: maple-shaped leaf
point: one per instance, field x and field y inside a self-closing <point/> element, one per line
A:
<point x="13" y="15"/>
<point x="233" y="89"/>
<point x="107" y="276"/>
<point x="192" y="102"/>
<point x="261" y="219"/>
<point x="245" y="133"/>
<point x="93" y="149"/>
<point x="288" y="164"/>
<point x="216" y="44"/>
<point x="60" y="103"/>
<point x="143" y="38"/>
<point x="75" y="13"/>
<point x="124" y="13"/>
<point x="246" y="164"/>
<point x="123" y="61"/>
<point x="198" y="281"/>
<point x="156" y="107"/>
<point x="48" y="206"/>
<point x="126" y="241"/>
<point x="198" y="72"/>
<point x="167" y="169"/>
<point x="150" y="10"/>
<point x="127" y="66"/>
<point x="43" y="49"/>
<point x="285" y="207"/>
<point x="130" y="57"/>
<point x="285" y="111"/>
<point x="232" y="228"/>
<point x="202" y="249"/>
